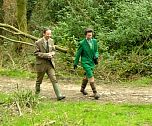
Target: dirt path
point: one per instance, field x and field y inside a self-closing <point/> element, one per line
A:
<point x="109" y="92"/>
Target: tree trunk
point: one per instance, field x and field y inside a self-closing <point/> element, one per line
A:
<point x="1" y="40"/>
<point x="1" y="19"/>
<point x="9" y="8"/>
<point x="1" y="12"/>
<point x="21" y="21"/>
<point x="21" y="15"/>
<point x="8" y="14"/>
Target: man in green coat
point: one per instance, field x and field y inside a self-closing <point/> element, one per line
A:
<point x="88" y="51"/>
<point x="44" y="52"/>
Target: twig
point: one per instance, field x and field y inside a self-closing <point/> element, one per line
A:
<point x="49" y="123"/>
<point x="79" y="122"/>
<point x="46" y="123"/>
<point x="13" y="63"/>
<point x="19" y="108"/>
<point x="1" y="57"/>
<point x="17" y="87"/>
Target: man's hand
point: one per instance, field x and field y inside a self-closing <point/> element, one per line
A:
<point x="50" y="55"/>
<point x="96" y="61"/>
<point x="53" y="53"/>
<point x="75" y="66"/>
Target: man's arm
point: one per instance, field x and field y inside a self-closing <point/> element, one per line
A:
<point x="39" y="54"/>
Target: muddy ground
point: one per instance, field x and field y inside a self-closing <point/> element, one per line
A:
<point x="115" y="93"/>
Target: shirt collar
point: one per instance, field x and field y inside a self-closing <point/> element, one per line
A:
<point x="89" y="40"/>
<point x="45" y="40"/>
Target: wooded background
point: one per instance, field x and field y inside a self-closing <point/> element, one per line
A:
<point x="123" y="29"/>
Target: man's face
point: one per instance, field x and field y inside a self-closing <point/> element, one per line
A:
<point x="47" y="34"/>
<point x="89" y="35"/>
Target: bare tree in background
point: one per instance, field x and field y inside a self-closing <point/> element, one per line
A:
<point x="9" y="9"/>
<point x="21" y="21"/>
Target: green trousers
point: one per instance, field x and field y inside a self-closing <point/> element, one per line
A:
<point x="49" y="70"/>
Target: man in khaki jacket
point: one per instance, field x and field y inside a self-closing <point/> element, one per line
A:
<point x="44" y="52"/>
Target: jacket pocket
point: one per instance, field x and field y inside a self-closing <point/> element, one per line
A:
<point x="38" y="62"/>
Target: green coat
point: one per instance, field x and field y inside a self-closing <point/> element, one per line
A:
<point x="87" y="54"/>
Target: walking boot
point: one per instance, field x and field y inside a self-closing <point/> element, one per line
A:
<point x="37" y="88"/>
<point x="58" y="92"/>
<point x="83" y="86"/>
<point x="96" y="94"/>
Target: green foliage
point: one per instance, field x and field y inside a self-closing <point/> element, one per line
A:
<point x="4" y="98"/>
<point x="30" y="7"/>
<point x="129" y="66"/>
<point x="122" y="28"/>
<point x="132" y="26"/>
<point x="129" y="43"/>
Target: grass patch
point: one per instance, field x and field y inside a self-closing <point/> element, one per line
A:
<point x="4" y="98"/>
<point x="142" y="81"/>
<point x="16" y="73"/>
<point x="80" y="113"/>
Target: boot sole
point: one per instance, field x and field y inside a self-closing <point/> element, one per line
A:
<point x="61" y="98"/>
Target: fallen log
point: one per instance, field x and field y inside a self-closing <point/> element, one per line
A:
<point x="16" y="31"/>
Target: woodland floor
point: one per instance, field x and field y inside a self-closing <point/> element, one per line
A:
<point x="115" y="93"/>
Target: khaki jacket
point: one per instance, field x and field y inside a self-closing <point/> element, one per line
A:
<point x="42" y="56"/>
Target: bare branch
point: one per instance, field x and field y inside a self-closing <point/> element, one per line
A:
<point x="18" y="32"/>
<point x="12" y="40"/>
<point x="61" y="49"/>
<point x="13" y="63"/>
<point x="8" y="30"/>
<point x="15" y="31"/>
<point x="9" y="26"/>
